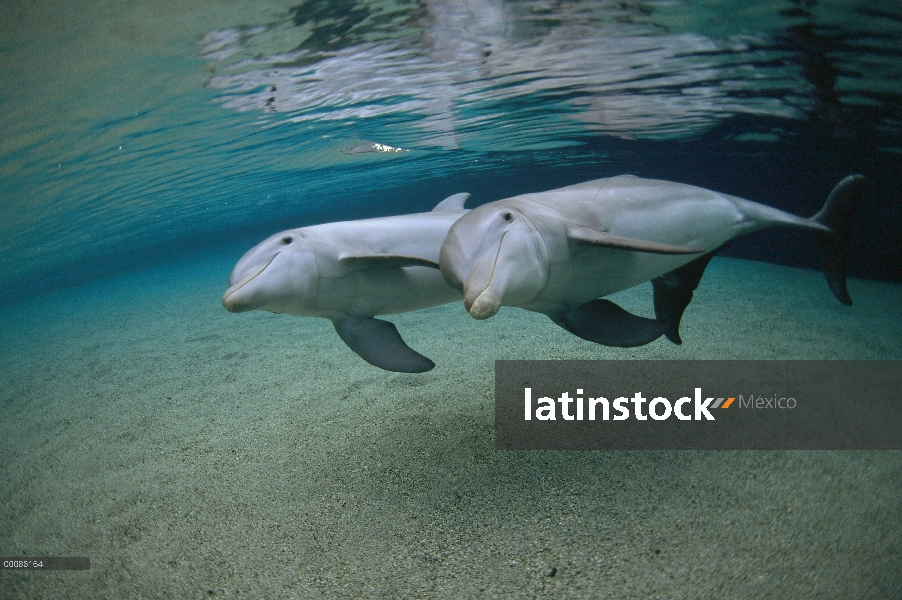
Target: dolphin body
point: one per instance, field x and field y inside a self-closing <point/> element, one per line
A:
<point x="349" y="272"/>
<point x="559" y="252"/>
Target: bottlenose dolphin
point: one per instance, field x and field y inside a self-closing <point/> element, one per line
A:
<point x="350" y="272"/>
<point x="559" y="252"/>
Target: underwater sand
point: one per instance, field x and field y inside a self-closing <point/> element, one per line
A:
<point x="194" y="453"/>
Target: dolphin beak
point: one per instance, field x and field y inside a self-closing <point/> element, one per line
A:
<point x="468" y="272"/>
<point x="485" y="306"/>
<point x="479" y="299"/>
<point x="470" y="265"/>
<point x="483" y="293"/>
<point x="235" y="302"/>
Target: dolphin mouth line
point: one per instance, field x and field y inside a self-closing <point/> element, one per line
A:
<point x="491" y="275"/>
<point x="247" y="279"/>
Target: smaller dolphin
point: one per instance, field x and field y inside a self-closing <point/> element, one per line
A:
<point x="349" y="272"/>
<point x="559" y="252"/>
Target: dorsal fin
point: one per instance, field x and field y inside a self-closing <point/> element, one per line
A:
<point x="595" y="237"/>
<point x="455" y="202"/>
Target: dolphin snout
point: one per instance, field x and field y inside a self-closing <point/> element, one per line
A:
<point x="230" y="305"/>
<point x="481" y="299"/>
<point x="484" y="306"/>
<point x="232" y="300"/>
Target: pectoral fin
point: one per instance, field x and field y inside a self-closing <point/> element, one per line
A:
<point x="364" y="262"/>
<point x="379" y="343"/>
<point x="596" y="237"/>
<point x="603" y="322"/>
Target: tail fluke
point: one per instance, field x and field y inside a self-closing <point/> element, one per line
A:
<point x="838" y="214"/>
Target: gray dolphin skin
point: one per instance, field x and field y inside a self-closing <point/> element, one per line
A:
<point x="350" y="272"/>
<point x="559" y="252"/>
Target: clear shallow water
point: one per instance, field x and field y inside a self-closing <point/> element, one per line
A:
<point x="192" y="452"/>
<point x="186" y="449"/>
<point x="131" y="134"/>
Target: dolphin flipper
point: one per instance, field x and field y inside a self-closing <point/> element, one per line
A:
<point x="673" y="293"/>
<point x="365" y="262"/>
<point x="596" y="237"/>
<point x="379" y="343"/>
<point x="838" y="214"/>
<point x="603" y="322"/>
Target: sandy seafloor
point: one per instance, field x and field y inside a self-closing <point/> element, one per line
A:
<point x="193" y="453"/>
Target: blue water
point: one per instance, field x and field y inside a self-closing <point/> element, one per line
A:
<point x="191" y="452"/>
<point x="126" y="142"/>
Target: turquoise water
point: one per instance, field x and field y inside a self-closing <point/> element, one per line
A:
<point x="193" y="452"/>
<point x="131" y="133"/>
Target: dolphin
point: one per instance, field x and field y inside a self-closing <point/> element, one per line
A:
<point x="559" y="252"/>
<point x="349" y="272"/>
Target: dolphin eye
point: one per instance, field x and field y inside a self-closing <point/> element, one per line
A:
<point x="508" y="217"/>
<point x="287" y="239"/>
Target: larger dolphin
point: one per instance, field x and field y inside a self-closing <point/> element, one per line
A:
<point x="559" y="252"/>
<point x="350" y="272"/>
